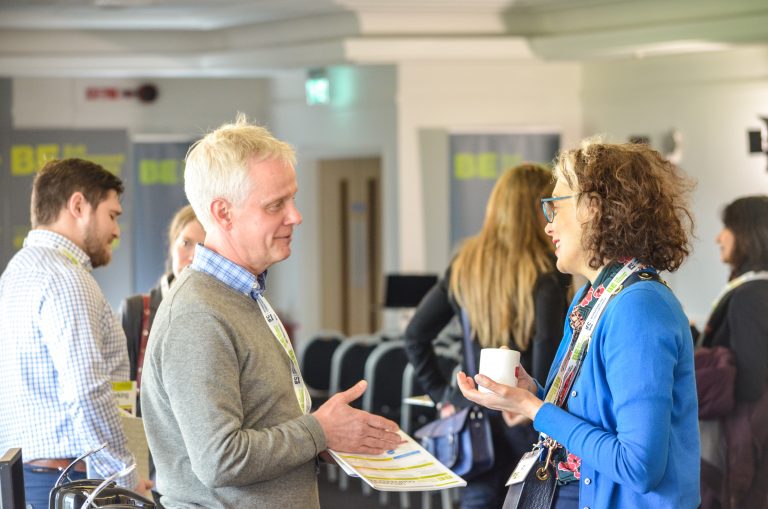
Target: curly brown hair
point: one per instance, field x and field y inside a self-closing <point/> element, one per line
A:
<point x="639" y="199"/>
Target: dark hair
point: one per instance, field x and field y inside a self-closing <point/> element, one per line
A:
<point x="640" y="201"/>
<point x="58" y="180"/>
<point x="747" y="218"/>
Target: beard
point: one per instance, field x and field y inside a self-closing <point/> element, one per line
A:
<point x="98" y="248"/>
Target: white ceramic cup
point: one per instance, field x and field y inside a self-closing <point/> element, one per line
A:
<point x="500" y="365"/>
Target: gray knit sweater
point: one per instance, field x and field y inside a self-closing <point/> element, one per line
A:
<point x="223" y="423"/>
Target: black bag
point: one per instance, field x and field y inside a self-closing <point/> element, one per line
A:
<point x="536" y="492"/>
<point x="463" y="441"/>
<point x="101" y="493"/>
<point x="73" y="495"/>
<point x="715" y="381"/>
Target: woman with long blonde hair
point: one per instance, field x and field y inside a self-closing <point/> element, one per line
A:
<point x="504" y="279"/>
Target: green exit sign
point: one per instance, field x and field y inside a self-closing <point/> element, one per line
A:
<point x="317" y="88"/>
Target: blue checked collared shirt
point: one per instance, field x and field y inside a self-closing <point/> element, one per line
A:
<point x="228" y="272"/>
<point x="62" y="346"/>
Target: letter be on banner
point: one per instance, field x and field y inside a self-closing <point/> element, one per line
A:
<point x="477" y="160"/>
<point x="27" y="159"/>
<point x="488" y="165"/>
<point x="464" y="166"/>
<point x="469" y="166"/>
<point x="158" y="171"/>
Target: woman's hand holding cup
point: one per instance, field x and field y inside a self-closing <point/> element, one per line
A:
<point x="520" y="400"/>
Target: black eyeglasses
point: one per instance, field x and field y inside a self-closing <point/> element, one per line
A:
<point x="548" y="206"/>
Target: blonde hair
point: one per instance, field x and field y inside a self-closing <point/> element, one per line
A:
<point x="181" y="219"/>
<point x="494" y="273"/>
<point x="217" y="164"/>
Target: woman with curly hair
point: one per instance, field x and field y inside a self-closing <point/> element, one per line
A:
<point x="504" y="279"/>
<point x="618" y="414"/>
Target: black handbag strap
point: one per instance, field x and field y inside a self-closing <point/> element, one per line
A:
<point x="469" y="349"/>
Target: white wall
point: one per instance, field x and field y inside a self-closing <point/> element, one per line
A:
<point x="383" y="111"/>
<point x="183" y="111"/>
<point x="443" y="96"/>
<point x="183" y="106"/>
<point x="359" y="121"/>
<point x="712" y="99"/>
<point x="395" y="112"/>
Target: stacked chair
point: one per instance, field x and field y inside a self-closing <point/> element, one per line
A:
<point x="412" y="417"/>
<point x="348" y="368"/>
<point x="315" y="362"/>
<point x="331" y="363"/>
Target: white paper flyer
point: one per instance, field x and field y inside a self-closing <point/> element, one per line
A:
<point x="408" y="468"/>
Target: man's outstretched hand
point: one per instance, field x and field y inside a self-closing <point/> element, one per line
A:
<point x="348" y="429"/>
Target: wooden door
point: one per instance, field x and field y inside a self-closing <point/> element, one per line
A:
<point x="350" y="214"/>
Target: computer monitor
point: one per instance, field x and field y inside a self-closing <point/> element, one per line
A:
<point x="407" y="290"/>
<point x="12" y="480"/>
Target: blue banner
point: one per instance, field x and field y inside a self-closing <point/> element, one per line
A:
<point x="158" y="192"/>
<point x="477" y="160"/>
<point x="26" y="151"/>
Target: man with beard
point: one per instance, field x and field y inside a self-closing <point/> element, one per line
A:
<point x="62" y="344"/>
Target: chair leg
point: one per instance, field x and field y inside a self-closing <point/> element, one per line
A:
<point x="445" y="499"/>
<point x="333" y="473"/>
<point x="426" y="500"/>
<point x="405" y="499"/>
<point x="343" y="481"/>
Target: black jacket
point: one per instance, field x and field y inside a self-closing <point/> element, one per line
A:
<point x="131" y="310"/>
<point x="740" y="322"/>
<point x="437" y="308"/>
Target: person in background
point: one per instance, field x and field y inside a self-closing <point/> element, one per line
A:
<point x="736" y="474"/>
<point x="505" y="279"/>
<point x="62" y="344"/>
<point x="138" y="311"/>
<point x="227" y="414"/>
<point x="619" y="413"/>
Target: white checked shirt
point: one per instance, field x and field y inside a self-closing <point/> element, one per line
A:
<point x="62" y="346"/>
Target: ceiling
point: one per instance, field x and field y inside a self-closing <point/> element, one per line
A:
<point x="197" y="38"/>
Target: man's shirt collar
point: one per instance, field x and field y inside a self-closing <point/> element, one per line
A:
<point x="52" y="240"/>
<point x="228" y="272"/>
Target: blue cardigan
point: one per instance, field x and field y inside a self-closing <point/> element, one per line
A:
<point x="632" y="412"/>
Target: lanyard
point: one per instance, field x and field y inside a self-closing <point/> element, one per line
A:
<point x="69" y="256"/>
<point x="276" y="326"/>
<point x="144" y="338"/>
<point x="732" y="285"/>
<point x="569" y="368"/>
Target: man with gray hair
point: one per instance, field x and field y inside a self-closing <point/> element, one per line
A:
<point x="226" y="410"/>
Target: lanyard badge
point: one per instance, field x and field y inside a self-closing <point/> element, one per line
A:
<point x="569" y="368"/>
<point x="278" y="331"/>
